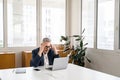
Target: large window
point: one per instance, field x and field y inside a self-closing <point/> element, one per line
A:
<point x="88" y="21"/>
<point x="106" y="24"/>
<point x="21" y="23"/>
<point x="1" y="23"/>
<point x="98" y="20"/>
<point x="53" y="19"/>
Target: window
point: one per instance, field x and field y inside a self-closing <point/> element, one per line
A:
<point x="21" y="23"/>
<point x="106" y="24"/>
<point x="53" y="19"/>
<point x="88" y="21"/>
<point x="1" y="23"/>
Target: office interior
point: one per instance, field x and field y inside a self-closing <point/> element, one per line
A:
<point x="23" y="24"/>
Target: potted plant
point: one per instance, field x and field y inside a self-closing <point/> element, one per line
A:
<point x="76" y="53"/>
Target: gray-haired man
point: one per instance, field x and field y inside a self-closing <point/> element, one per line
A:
<point x="45" y="54"/>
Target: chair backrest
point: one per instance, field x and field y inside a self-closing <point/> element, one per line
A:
<point x="26" y="57"/>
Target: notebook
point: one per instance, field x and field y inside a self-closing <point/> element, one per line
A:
<point x="20" y="70"/>
<point x="59" y="63"/>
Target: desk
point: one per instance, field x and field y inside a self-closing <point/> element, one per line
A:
<point x="73" y="72"/>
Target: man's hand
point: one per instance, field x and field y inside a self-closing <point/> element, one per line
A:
<point x="42" y="46"/>
<point x="54" y="49"/>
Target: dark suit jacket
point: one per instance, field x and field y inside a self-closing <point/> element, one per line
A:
<point x="39" y="61"/>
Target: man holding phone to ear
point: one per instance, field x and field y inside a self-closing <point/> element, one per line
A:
<point x="45" y="54"/>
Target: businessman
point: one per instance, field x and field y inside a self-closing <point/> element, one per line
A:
<point x="45" y="54"/>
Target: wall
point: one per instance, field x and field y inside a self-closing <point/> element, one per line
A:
<point x="75" y="17"/>
<point x="104" y="61"/>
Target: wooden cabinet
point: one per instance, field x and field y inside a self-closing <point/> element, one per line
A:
<point x="7" y="60"/>
<point x="60" y="49"/>
<point x="26" y="57"/>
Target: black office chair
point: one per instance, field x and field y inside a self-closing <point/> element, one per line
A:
<point x="31" y="64"/>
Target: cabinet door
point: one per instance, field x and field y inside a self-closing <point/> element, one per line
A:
<point x="7" y="60"/>
<point x="26" y="57"/>
<point x="60" y="49"/>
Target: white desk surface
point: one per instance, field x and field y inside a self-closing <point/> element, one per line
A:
<point x="73" y="72"/>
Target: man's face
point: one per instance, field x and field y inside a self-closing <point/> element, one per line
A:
<point x="47" y="46"/>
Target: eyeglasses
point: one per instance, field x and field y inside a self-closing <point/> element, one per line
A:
<point x="47" y="46"/>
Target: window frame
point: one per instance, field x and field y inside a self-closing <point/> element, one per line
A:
<point x="116" y="25"/>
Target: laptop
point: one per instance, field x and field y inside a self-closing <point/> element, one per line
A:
<point x="59" y="63"/>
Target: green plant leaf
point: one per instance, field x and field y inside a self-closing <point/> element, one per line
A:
<point x="85" y="49"/>
<point x="79" y="55"/>
<point x="85" y="44"/>
<point x="66" y="49"/>
<point x="78" y="39"/>
<point x="81" y="44"/>
<point x="75" y="35"/>
<point x="83" y="38"/>
<point x="78" y="49"/>
<point x="64" y="38"/>
<point x="67" y="43"/>
<point x="82" y="52"/>
<point x="82" y="59"/>
<point x="75" y="57"/>
<point x="88" y="60"/>
<point x="83" y="31"/>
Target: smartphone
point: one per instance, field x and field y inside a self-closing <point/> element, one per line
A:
<point x="37" y="69"/>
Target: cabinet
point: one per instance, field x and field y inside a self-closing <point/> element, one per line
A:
<point x="7" y="60"/>
<point x="60" y="49"/>
<point x="26" y="57"/>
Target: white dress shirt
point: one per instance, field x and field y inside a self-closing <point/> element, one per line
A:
<point x="46" y="61"/>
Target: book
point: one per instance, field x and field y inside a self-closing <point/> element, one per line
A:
<point x="20" y="70"/>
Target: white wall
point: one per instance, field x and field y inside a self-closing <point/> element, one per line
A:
<point x="102" y="60"/>
<point x="75" y="17"/>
